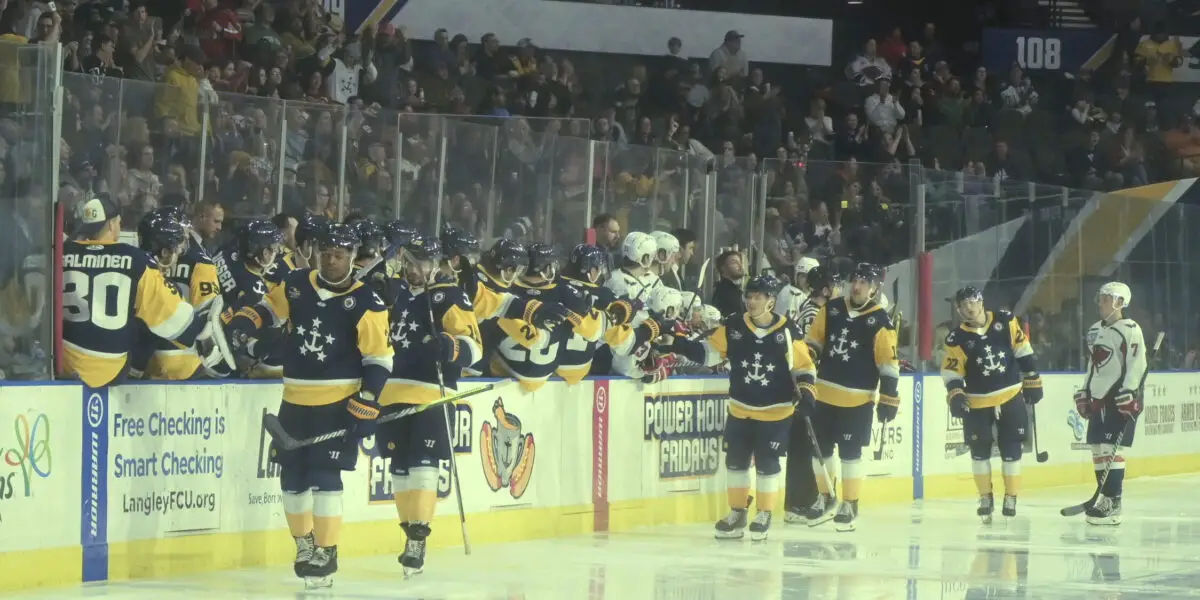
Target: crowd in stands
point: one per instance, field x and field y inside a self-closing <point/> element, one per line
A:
<point x="255" y="107"/>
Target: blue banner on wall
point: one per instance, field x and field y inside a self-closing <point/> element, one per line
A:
<point x="1045" y="50"/>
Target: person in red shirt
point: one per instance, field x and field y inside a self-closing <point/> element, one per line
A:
<point x="893" y="49"/>
<point x="219" y="30"/>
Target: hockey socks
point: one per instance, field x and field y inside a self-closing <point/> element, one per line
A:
<point x="327" y="518"/>
<point x="1011" y="470"/>
<point x="981" y="470"/>
<point x="738" y="488"/>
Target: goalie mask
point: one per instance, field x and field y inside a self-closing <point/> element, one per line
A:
<point x="639" y="249"/>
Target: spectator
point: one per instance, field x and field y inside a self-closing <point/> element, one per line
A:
<point x="868" y="68"/>
<point x="727" y="293"/>
<point x="915" y="60"/>
<point x="1018" y="93"/>
<point x="102" y="61"/>
<point x="893" y="49"/>
<point x="819" y="125"/>
<point x="951" y="107"/>
<point x="1129" y="157"/>
<point x="345" y="74"/>
<point x="1087" y="165"/>
<point x="730" y="56"/>
<point x="851" y="140"/>
<point x="978" y="112"/>
<point x="219" y="31"/>
<point x="179" y="99"/>
<point x="608" y="236"/>
<point x="1003" y="165"/>
<point x="673" y="59"/>
<point x="882" y="108"/>
<point x="1184" y="144"/>
<point x="1159" y="55"/>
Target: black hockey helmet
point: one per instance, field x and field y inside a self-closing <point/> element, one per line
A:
<point x="372" y="241"/>
<point x="542" y="259"/>
<point x="256" y="236"/>
<point x="967" y="294"/>
<point x="505" y="254"/>
<point x="157" y="233"/>
<point x="398" y="233"/>
<point x="423" y="248"/>
<point x="819" y="278"/>
<point x="459" y="242"/>
<point x="764" y="284"/>
<point x="309" y="228"/>
<point x="175" y="213"/>
<point x="583" y="259"/>
<point x="339" y="235"/>
<point x="868" y="271"/>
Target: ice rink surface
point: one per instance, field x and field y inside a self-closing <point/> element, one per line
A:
<point x="927" y="550"/>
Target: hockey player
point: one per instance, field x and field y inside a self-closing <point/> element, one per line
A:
<point x="990" y="374"/>
<point x="856" y="345"/>
<point x="604" y="331"/>
<point x="801" y="480"/>
<point x="243" y="267"/>
<point x="336" y="360"/>
<point x="793" y="295"/>
<point x="531" y="357"/>
<point x="435" y="336"/>
<point x="308" y="232"/>
<point x="163" y="235"/>
<point x="1111" y="397"/>
<point x="369" y="265"/>
<point x="109" y="290"/>
<point x="771" y="378"/>
<point x="647" y="364"/>
<point x="634" y="280"/>
<point x="667" y="255"/>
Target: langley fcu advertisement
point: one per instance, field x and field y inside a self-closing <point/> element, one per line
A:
<point x="165" y="460"/>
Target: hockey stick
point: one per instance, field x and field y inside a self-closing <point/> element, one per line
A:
<point x="462" y="515"/>
<point x="1041" y="455"/>
<point x="687" y="311"/>
<point x="1071" y="511"/>
<point x="286" y="442"/>
<point x="878" y="453"/>
<point x="829" y="481"/>
<point x="216" y="329"/>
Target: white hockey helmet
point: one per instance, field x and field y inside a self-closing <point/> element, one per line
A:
<point x="805" y="264"/>
<point x="668" y="246"/>
<point x="639" y="248"/>
<point x="712" y="316"/>
<point x="1116" y="289"/>
<point x="666" y="301"/>
<point x="788" y="301"/>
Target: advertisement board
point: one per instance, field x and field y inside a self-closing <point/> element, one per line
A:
<point x="39" y="480"/>
<point x="1069" y="50"/>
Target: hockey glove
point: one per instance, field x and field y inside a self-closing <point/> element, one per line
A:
<point x="804" y="400"/>
<point x="1128" y="404"/>
<point x="886" y="409"/>
<point x="661" y="369"/>
<point x="959" y="406"/>
<point x="364" y="410"/>
<point x="1031" y="387"/>
<point x="621" y="312"/>
<point x="545" y="315"/>
<point x="445" y="346"/>
<point x="1083" y="404"/>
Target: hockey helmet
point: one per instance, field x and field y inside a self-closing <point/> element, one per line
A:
<point x="583" y="259"/>
<point x="804" y="266"/>
<point x="504" y="255"/>
<point x="667" y="246"/>
<point x="158" y="234"/>
<point x="339" y="235"/>
<point x="259" y="235"/>
<point x="665" y="302"/>
<point x="1116" y="289"/>
<point x="712" y="316"/>
<point x="372" y="241"/>
<point x="867" y="271"/>
<point x="423" y="248"/>
<point x="459" y="242"/>
<point x="542" y="260"/>
<point x="398" y="233"/>
<point x="764" y="284"/>
<point x="969" y="293"/>
<point x="175" y="213"/>
<point x="309" y="228"/>
<point x="639" y="248"/>
<point x="818" y="278"/>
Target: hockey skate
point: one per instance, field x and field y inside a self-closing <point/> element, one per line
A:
<point x="846" y="515"/>
<point x="1010" y="506"/>
<point x="320" y="570"/>
<point x="1105" y="511"/>
<point x="796" y="515"/>
<point x="733" y="526"/>
<point x="987" y="505"/>
<point x="304" y="553"/>
<point x="413" y="558"/>
<point x="822" y="510"/>
<point x="760" y="525"/>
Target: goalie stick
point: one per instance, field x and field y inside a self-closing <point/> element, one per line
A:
<point x="286" y="442"/>
<point x="1071" y="511"/>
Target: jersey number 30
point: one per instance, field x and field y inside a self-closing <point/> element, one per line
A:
<point x="102" y="300"/>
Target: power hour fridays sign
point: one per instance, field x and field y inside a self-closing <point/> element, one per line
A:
<point x="166" y="460"/>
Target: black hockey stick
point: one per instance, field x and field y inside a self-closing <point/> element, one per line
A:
<point x="829" y="480"/>
<point x="1041" y="455"/>
<point x="1071" y="511"/>
<point x="286" y="442"/>
<point x="878" y="453"/>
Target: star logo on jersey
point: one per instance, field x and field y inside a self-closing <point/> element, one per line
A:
<point x="311" y="340"/>
<point x="971" y="345"/>
<point x="835" y="312"/>
<point x="992" y="362"/>
<point x="399" y="330"/>
<point x="293" y="293"/>
<point x="735" y="334"/>
<point x="842" y="345"/>
<point x="756" y="371"/>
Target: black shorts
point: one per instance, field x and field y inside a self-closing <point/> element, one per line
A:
<point x="844" y="426"/>
<point x="761" y="439"/>
<point x="418" y="440"/>
<point x="1010" y="419"/>
<point x="301" y="422"/>
<point x="1105" y="426"/>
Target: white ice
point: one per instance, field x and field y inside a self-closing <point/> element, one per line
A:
<point x="935" y="549"/>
